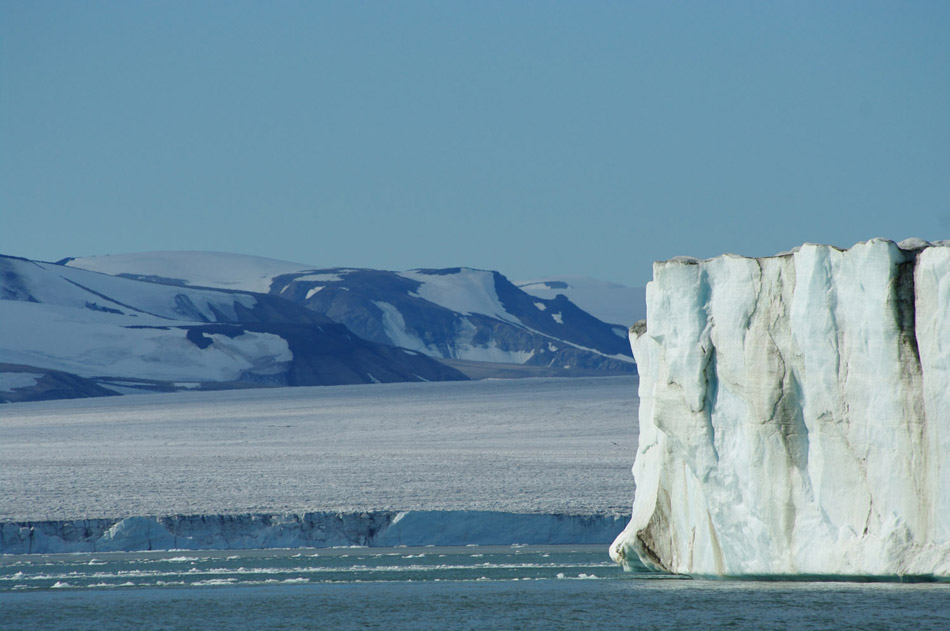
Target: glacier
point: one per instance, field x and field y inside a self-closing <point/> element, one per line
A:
<point x="795" y="414"/>
<point x="493" y="462"/>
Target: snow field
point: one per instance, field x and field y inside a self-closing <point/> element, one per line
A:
<point x="88" y="343"/>
<point x="520" y="446"/>
<point x="204" y="269"/>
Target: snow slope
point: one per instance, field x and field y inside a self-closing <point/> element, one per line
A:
<point x="90" y="343"/>
<point x="795" y="415"/>
<point x="463" y="290"/>
<point x="128" y="334"/>
<point x="59" y="285"/>
<point x="93" y="325"/>
<point x="203" y="269"/>
<point x="610" y="302"/>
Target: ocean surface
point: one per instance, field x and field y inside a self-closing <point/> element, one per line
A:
<point x="516" y="587"/>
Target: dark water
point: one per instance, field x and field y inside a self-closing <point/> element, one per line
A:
<point x="558" y="587"/>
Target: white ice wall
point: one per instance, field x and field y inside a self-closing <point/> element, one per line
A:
<point x="795" y="414"/>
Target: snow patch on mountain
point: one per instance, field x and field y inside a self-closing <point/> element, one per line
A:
<point x="320" y="278"/>
<point x="395" y="327"/>
<point x="610" y="302"/>
<point x="463" y="290"/>
<point x="10" y="381"/>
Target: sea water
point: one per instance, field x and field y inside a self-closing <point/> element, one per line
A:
<point x="517" y="587"/>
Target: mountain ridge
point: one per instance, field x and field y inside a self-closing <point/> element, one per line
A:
<point x="456" y="313"/>
<point x="126" y="336"/>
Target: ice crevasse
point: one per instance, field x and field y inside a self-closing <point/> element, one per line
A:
<point x="795" y="414"/>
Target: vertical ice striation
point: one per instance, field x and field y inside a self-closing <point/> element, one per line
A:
<point x="795" y="414"/>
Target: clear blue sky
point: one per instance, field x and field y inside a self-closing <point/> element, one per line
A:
<point x="536" y="138"/>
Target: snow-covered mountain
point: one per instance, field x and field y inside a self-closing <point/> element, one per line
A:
<point x="610" y="302"/>
<point x="462" y="314"/>
<point x="69" y="331"/>
<point x="197" y="269"/>
<point x="450" y="314"/>
<point x="795" y="414"/>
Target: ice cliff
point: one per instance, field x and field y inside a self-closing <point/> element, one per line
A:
<point x="795" y="414"/>
<point x="310" y="530"/>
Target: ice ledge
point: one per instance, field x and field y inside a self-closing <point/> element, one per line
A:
<point x="795" y="414"/>
<point x="307" y="530"/>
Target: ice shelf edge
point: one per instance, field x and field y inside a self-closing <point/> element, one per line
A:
<point x="306" y="530"/>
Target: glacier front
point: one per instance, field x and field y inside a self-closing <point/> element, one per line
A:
<point x="795" y="414"/>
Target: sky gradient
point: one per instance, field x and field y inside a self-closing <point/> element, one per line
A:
<point x="535" y="138"/>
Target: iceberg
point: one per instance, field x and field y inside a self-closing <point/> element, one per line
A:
<point x="795" y="415"/>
